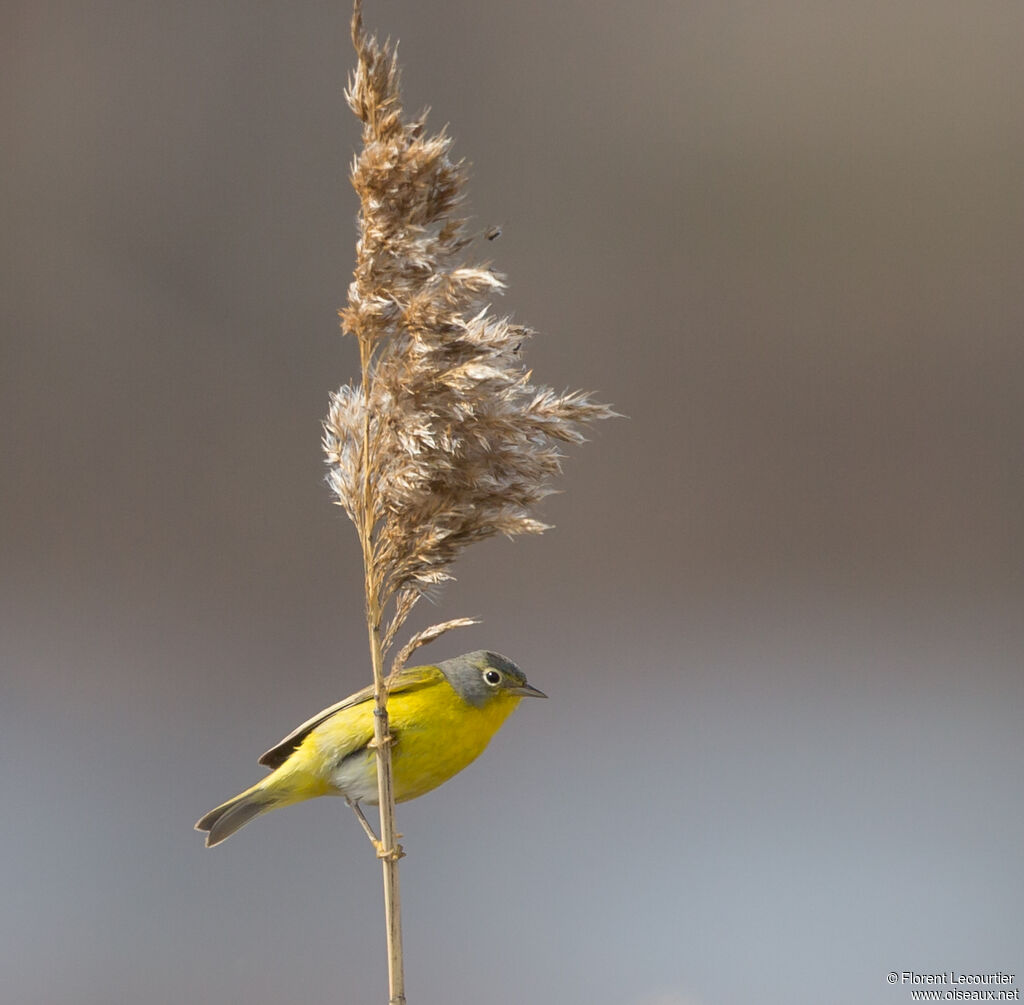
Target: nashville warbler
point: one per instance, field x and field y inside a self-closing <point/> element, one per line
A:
<point x="441" y="718"/>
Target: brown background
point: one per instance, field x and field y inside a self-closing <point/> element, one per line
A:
<point x="780" y="617"/>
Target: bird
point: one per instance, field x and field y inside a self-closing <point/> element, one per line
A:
<point x="441" y="717"/>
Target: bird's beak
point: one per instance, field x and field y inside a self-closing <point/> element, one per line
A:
<point x="526" y="691"/>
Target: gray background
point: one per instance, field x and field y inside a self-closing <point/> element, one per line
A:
<point x="780" y="617"/>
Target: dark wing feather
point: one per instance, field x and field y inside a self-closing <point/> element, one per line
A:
<point x="408" y="679"/>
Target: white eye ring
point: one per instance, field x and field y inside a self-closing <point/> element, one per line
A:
<point x="492" y="677"/>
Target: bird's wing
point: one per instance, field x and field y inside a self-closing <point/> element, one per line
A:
<point x="408" y="679"/>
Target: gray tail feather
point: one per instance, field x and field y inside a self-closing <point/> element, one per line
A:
<point x="222" y="822"/>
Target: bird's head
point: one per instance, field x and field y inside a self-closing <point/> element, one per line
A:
<point x="481" y="677"/>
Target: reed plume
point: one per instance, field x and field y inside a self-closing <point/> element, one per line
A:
<point x="445" y="441"/>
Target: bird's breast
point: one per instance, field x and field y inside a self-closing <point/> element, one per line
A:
<point x="436" y="736"/>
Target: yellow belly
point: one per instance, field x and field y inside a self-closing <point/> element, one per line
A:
<point x="436" y="733"/>
<point x="437" y="742"/>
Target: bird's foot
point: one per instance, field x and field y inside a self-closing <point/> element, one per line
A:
<point x="390" y="854"/>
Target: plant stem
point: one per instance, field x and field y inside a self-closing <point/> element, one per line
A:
<point x="388" y="851"/>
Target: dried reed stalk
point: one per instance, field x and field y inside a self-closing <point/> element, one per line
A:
<point x="445" y="441"/>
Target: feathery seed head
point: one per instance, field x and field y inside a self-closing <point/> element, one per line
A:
<point x="446" y="441"/>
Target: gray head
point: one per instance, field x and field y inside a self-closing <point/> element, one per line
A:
<point x="480" y="677"/>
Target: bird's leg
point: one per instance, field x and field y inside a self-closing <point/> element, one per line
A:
<point x="382" y="852"/>
<point x="364" y="823"/>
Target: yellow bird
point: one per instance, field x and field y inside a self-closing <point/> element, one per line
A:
<point x="442" y="717"/>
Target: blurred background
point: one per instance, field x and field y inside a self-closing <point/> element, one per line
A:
<point x="780" y="619"/>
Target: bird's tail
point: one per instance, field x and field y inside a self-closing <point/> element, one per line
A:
<point x="223" y="821"/>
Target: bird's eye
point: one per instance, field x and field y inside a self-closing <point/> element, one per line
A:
<point x="492" y="677"/>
